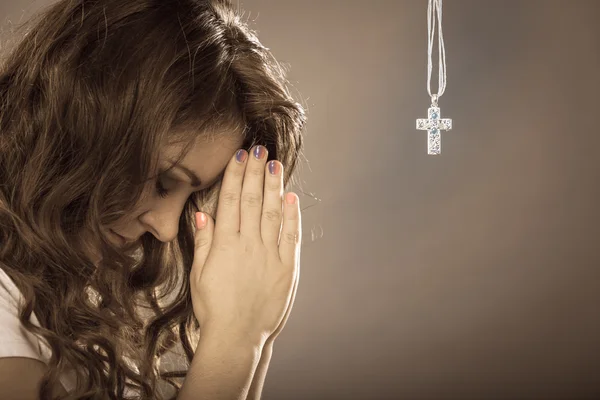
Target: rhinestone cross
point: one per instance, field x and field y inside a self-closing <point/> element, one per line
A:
<point x="433" y="125"/>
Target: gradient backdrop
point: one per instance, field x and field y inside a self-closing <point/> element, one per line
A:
<point x="470" y="275"/>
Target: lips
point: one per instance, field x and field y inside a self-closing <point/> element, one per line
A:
<point x="123" y="239"/>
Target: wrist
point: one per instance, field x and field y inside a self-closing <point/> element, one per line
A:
<point x="232" y="337"/>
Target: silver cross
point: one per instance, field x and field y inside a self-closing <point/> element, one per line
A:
<point x="433" y="125"/>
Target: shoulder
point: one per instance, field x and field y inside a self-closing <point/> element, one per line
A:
<point x="22" y="363"/>
<point x="23" y="355"/>
<point x="15" y="341"/>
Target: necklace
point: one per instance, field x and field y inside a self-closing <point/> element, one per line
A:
<point x="433" y="124"/>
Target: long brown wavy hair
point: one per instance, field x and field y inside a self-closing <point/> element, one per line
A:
<point x="87" y="95"/>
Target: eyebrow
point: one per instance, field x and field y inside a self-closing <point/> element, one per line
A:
<point x="196" y="182"/>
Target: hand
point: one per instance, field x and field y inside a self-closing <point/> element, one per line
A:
<point x="277" y="331"/>
<point x="243" y="277"/>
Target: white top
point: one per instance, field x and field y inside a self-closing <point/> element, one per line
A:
<point x="16" y="341"/>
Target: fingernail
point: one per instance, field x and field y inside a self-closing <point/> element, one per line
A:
<point x="259" y="152"/>
<point x="273" y="167"/>
<point x="290" y="198"/>
<point x="200" y="220"/>
<point x="241" y="155"/>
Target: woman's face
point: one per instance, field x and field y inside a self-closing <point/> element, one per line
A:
<point x="163" y="201"/>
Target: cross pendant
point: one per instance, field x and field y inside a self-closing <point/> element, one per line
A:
<point x="433" y="125"/>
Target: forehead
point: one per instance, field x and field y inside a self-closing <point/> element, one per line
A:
<point x="206" y="157"/>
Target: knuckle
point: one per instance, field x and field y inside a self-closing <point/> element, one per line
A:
<point x="202" y="242"/>
<point x="290" y="237"/>
<point x="237" y="172"/>
<point x="273" y="185"/>
<point x="222" y="247"/>
<point x="229" y="198"/>
<point x="272" y="215"/>
<point x="252" y="199"/>
<point x="256" y="171"/>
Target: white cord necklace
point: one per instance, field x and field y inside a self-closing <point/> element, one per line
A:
<point x="434" y="124"/>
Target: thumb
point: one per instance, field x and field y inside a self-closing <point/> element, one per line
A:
<point x="202" y="240"/>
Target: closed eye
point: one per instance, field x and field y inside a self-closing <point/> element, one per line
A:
<point x="160" y="189"/>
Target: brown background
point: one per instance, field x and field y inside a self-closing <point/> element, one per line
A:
<point x="470" y="275"/>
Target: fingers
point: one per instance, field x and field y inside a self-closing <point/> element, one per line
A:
<point x="291" y="231"/>
<point x="251" y="201"/>
<point x="202" y="242"/>
<point x="228" y="221"/>
<point x="272" y="213"/>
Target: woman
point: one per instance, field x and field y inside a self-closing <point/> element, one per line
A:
<point x="119" y="120"/>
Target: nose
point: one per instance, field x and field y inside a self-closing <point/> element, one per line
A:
<point x="164" y="226"/>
